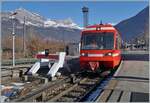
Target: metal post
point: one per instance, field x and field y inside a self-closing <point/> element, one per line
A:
<point x="13" y="33"/>
<point x="24" y="46"/>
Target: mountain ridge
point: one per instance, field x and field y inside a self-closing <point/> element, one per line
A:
<point x="135" y="26"/>
<point x="36" y="19"/>
<point x="66" y="30"/>
<point x="59" y="30"/>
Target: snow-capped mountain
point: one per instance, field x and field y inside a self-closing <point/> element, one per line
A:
<point x="31" y="18"/>
<point x="38" y="25"/>
<point x="61" y="23"/>
<point x="36" y="19"/>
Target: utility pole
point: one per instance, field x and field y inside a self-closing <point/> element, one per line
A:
<point x="13" y="34"/>
<point x="24" y="31"/>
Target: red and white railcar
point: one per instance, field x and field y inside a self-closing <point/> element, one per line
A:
<point x="100" y="48"/>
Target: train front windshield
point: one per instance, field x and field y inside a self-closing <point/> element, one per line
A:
<point x="97" y="41"/>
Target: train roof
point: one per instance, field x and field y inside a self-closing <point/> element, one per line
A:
<point x="99" y="27"/>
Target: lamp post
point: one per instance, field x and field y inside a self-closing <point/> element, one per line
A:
<point x="13" y="34"/>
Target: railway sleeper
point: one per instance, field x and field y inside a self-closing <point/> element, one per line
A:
<point x="76" y="92"/>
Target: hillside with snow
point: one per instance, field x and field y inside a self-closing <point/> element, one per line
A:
<point x="35" y="19"/>
<point x="38" y="25"/>
<point x="61" y="23"/>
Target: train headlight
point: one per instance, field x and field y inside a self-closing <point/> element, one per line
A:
<point x="82" y="54"/>
<point x="108" y="54"/>
<point x="115" y="54"/>
<point x="112" y="54"/>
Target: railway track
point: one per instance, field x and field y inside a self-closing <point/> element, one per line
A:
<point x="88" y="89"/>
<point x="64" y="89"/>
<point x="55" y="91"/>
<point x="77" y="91"/>
<point x="61" y="90"/>
<point x="42" y="92"/>
<point x="28" y="87"/>
<point x="9" y="73"/>
<point x="20" y="87"/>
<point x="9" y="69"/>
<point x="37" y="91"/>
<point x="19" y="61"/>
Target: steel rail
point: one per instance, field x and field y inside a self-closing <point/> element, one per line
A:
<point x="82" y="84"/>
<point x="66" y="91"/>
<point x="42" y="89"/>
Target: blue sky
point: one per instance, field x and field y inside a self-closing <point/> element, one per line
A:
<point x="108" y="12"/>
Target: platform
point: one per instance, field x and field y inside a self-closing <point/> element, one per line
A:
<point x="131" y="81"/>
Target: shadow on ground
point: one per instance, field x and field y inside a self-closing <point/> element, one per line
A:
<point x="135" y="57"/>
<point x="71" y="66"/>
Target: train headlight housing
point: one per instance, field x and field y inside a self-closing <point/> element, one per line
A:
<point x="83" y="54"/>
<point x="112" y="54"/>
<point x="115" y="54"/>
<point x="108" y="54"/>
